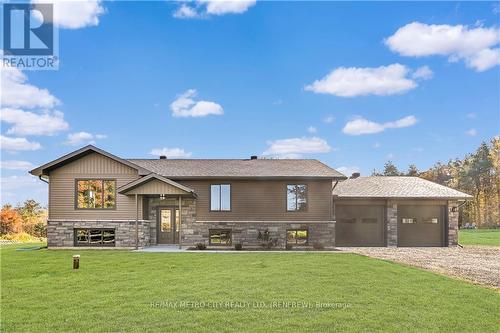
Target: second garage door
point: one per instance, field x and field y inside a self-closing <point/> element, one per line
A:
<point x="420" y="225"/>
<point x="359" y="225"/>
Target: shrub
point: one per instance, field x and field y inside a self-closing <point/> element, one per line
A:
<point x="11" y="221"/>
<point x="22" y="237"/>
<point x="238" y="246"/>
<point x="201" y="246"/>
<point x="318" y="246"/>
<point x="266" y="240"/>
<point x="288" y="247"/>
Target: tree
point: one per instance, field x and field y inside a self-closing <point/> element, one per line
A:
<point x="10" y="220"/>
<point x="412" y="170"/>
<point x="34" y="217"/>
<point x="390" y="169"/>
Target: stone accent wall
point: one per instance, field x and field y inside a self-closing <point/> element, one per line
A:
<point x="453" y="223"/>
<point x="392" y="224"/>
<point x="61" y="233"/>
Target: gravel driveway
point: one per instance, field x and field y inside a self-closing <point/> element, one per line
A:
<point x="477" y="264"/>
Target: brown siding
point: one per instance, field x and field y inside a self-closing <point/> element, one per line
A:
<point x="62" y="189"/>
<point x="156" y="186"/>
<point x="263" y="200"/>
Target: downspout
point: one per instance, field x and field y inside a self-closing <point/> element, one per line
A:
<point x="42" y="179"/>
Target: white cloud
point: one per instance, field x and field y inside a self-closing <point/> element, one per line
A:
<point x="79" y="138"/>
<point x="14" y="144"/>
<point x="295" y="147"/>
<point x="75" y="14"/>
<point x="16" y="92"/>
<point x="353" y="81"/>
<point x="30" y="123"/>
<point x="186" y="106"/>
<point x="16" y="165"/>
<point x="360" y="126"/>
<point x="348" y="170"/>
<point x="312" y="129"/>
<point x="206" y="8"/>
<point x="329" y="119"/>
<point x="423" y="73"/>
<point x="478" y="47"/>
<point x="170" y="152"/>
<point x="471" y="132"/>
<point x="471" y="115"/>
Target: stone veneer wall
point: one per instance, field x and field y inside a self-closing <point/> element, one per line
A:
<point x="392" y="224"/>
<point x="453" y="223"/>
<point x="61" y="233"/>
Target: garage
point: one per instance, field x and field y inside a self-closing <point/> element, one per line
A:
<point x="421" y="225"/>
<point x="359" y="225"/>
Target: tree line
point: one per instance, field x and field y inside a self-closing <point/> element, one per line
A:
<point x="477" y="174"/>
<point x="24" y="221"/>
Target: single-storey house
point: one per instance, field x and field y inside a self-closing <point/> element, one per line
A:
<point x="98" y="199"/>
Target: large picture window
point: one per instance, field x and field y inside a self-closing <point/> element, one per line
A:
<point x="297" y="237"/>
<point x="94" y="237"/>
<point x="220" y="237"/>
<point x="96" y="194"/>
<point x="220" y="197"/>
<point x="296" y="198"/>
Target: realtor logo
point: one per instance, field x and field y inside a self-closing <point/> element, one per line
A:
<point x="29" y="36"/>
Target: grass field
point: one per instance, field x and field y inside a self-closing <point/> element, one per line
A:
<point x="123" y="291"/>
<point x="489" y="237"/>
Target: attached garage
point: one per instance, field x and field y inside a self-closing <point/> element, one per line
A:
<point x="395" y="211"/>
<point x="359" y="225"/>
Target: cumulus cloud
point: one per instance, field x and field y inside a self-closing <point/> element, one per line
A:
<point x="348" y="170"/>
<point x="477" y="47"/>
<point x="360" y="126"/>
<point x="186" y="106"/>
<point x="296" y="147"/>
<point x="30" y="123"/>
<point x="354" y="81"/>
<point x="18" y="93"/>
<point x="205" y="8"/>
<point x="423" y="73"/>
<point x="79" y="138"/>
<point x="16" y="165"/>
<point x="312" y="129"/>
<point x="75" y="14"/>
<point x="16" y="144"/>
<point x="170" y="152"/>
<point x="471" y="132"/>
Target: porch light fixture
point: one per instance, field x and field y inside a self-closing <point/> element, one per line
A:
<point x="162" y="196"/>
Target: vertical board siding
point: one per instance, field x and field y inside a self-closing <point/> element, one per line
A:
<point x="156" y="186"/>
<point x="263" y="200"/>
<point x="62" y="189"/>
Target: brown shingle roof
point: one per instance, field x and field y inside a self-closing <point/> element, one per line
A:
<point x="395" y="187"/>
<point x="232" y="168"/>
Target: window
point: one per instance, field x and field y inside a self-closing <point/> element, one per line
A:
<point x="431" y="220"/>
<point x="220" y="236"/>
<point x="96" y="194"/>
<point x="368" y="220"/>
<point x="94" y="237"/>
<point x="220" y="197"/>
<point x="408" y="220"/>
<point x="298" y="237"/>
<point x="296" y="198"/>
<point x="165" y="220"/>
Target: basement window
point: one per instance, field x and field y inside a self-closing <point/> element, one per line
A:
<point x="94" y="237"/>
<point x="431" y="220"/>
<point x="219" y="237"/>
<point x="297" y="237"/>
<point x="408" y="220"/>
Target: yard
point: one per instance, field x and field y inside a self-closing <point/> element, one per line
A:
<point x="127" y="291"/>
<point x="490" y="237"/>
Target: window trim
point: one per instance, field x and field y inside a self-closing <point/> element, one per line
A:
<point x="98" y="209"/>
<point x="426" y="219"/>
<point x="295" y="230"/>
<point x="75" y="240"/>
<point x="409" y="218"/>
<point x="220" y="230"/>
<point x="220" y="210"/>
<point x="286" y="198"/>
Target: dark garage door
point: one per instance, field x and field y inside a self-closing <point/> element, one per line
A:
<point x="420" y="225"/>
<point x="359" y="225"/>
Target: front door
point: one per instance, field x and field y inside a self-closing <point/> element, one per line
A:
<point x="168" y="226"/>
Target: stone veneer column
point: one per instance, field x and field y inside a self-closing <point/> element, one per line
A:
<point x="392" y="224"/>
<point x="452" y="223"/>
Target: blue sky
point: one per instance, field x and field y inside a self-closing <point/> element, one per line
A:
<point x="351" y="84"/>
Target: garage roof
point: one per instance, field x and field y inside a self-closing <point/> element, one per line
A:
<point x="395" y="187"/>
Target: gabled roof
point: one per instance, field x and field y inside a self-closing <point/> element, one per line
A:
<point x="44" y="169"/>
<point x="395" y="187"/>
<point x="239" y="168"/>
<point x="141" y="181"/>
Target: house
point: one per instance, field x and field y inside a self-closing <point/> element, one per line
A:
<point x="101" y="200"/>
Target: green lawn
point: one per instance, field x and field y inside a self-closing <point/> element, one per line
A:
<point x="114" y="291"/>
<point x="489" y="237"/>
